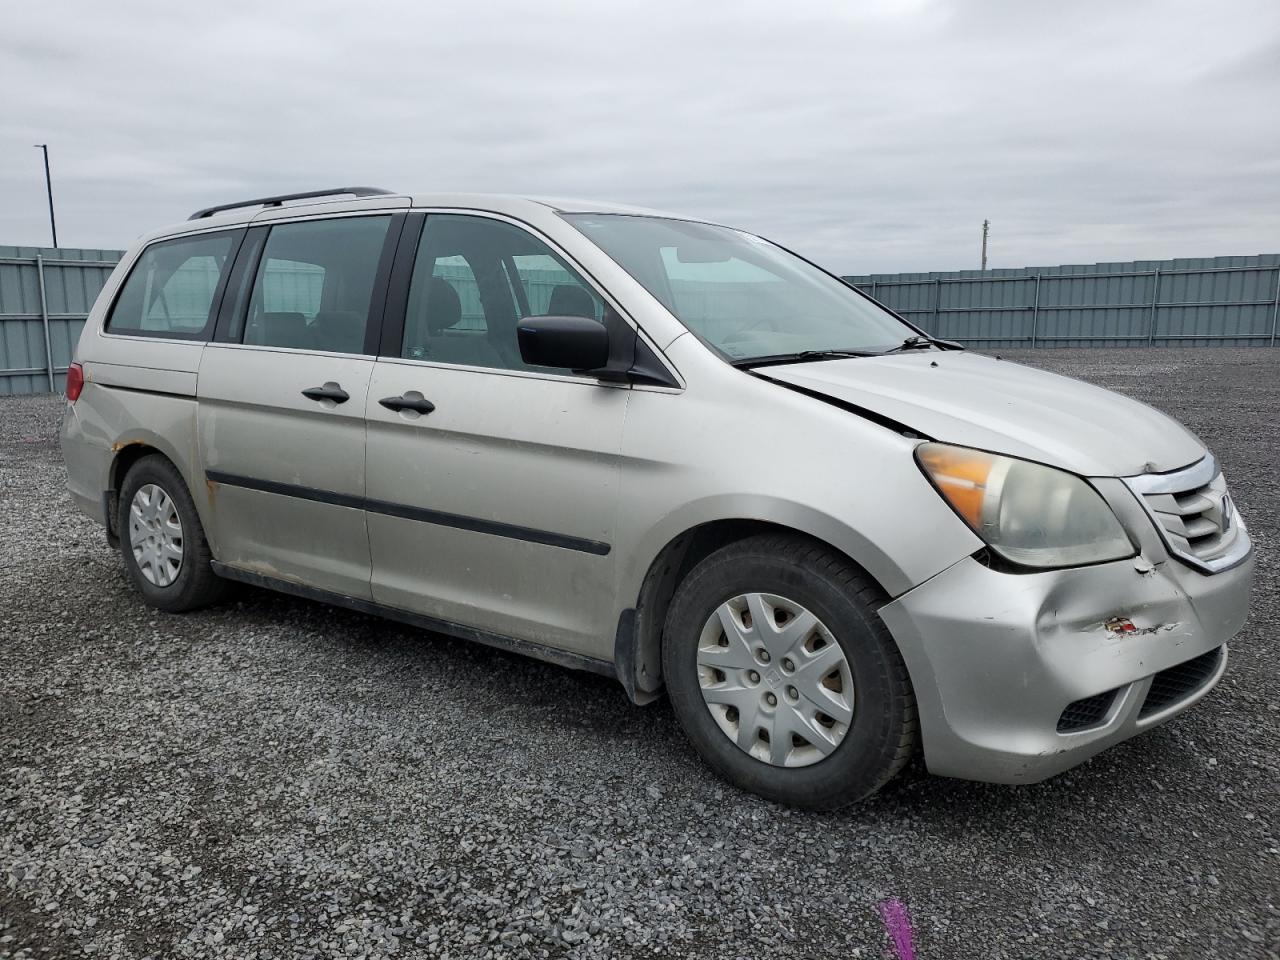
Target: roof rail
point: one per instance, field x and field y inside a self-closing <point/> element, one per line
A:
<point x="279" y="201"/>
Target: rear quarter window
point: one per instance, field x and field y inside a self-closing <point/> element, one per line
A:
<point x="170" y="291"/>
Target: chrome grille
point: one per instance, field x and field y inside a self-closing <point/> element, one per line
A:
<point x="1194" y="514"/>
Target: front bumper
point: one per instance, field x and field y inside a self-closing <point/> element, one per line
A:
<point x="995" y="658"/>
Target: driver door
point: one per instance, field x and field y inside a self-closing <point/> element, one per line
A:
<point x="492" y="499"/>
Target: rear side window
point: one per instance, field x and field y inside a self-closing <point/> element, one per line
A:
<point x="315" y="284"/>
<point x="171" y="289"/>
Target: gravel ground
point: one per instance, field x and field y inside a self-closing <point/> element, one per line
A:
<point x="277" y="778"/>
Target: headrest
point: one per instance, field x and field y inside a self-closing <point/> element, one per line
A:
<point x="444" y="306"/>
<point x="571" y="300"/>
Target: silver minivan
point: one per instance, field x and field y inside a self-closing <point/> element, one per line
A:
<point x="664" y="451"/>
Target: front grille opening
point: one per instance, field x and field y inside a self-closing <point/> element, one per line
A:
<point x="1193" y="501"/>
<point x="1179" y="682"/>
<point x="1199" y="528"/>
<point x="1086" y="713"/>
<point x="1194" y="515"/>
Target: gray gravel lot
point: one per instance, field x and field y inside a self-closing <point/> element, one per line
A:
<point x="277" y="778"/>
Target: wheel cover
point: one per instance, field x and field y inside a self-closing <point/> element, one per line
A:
<point x="774" y="680"/>
<point x="155" y="535"/>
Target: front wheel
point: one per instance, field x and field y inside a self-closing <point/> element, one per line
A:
<point x="784" y="677"/>
<point x="162" y="541"/>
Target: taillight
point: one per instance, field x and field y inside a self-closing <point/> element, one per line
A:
<point x="75" y="382"/>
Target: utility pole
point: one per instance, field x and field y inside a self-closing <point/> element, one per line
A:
<point x="986" y="229"/>
<point x="48" y="185"/>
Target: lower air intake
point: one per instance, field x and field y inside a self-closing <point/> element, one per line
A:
<point x="1177" y="683"/>
<point x="1089" y="712"/>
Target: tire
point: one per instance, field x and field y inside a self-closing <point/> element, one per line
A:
<point x="192" y="583"/>
<point x="787" y="572"/>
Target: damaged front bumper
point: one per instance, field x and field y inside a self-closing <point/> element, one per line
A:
<point x="1021" y="676"/>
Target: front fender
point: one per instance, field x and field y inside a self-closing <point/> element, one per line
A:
<point x="801" y="517"/>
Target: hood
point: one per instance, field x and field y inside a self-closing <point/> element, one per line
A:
<point x="978" y="401"/>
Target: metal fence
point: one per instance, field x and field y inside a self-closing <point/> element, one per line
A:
<point x="1220" y="301"/>
<point x="45" y="296"/>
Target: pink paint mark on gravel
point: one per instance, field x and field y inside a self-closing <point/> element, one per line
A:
<point x="897" y="923"/>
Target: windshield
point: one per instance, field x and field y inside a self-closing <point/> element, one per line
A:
<point x="745" y="296"/>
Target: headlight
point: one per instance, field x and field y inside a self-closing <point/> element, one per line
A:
<point x="1028" y="513"/>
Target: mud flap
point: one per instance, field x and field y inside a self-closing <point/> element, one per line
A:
<point x="109" y="498"/>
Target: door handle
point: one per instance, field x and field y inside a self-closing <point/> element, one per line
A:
<point x="420" y="404"/>
<point x="330" y="391"/>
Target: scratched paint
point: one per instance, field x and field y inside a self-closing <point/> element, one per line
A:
<point x="1118" y="627"/>
<point x="897" y="924"/>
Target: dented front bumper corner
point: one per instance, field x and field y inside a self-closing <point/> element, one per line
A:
<point x="996" y="658"/>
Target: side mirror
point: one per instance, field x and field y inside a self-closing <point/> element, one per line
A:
<point x="578" y="343"/>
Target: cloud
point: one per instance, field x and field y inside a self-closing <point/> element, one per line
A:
<point x="870" y="136"/>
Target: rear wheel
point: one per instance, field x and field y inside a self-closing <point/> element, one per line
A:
<point x="162" y="540"/>
<point x="783" y="675"/>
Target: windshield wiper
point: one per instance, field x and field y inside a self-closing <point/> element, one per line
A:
<point x="802" y="356"/>
<point x="917" y="342"/>
<point x="912" y="343"/>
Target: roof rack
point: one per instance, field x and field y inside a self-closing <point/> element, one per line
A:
<point x="279" y="201"/>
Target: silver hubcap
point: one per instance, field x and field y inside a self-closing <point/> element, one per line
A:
<point x="155" y="535"/>
<point x="775" y="680"/>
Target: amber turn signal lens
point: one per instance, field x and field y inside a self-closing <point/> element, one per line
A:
<point x="961" y="476"/>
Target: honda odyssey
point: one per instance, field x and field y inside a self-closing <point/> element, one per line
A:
<point x="664" y="451"/>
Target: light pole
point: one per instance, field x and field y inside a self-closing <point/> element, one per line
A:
<point x="48" y="184"/>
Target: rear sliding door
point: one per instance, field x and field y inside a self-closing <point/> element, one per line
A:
<point x="282" y="396"/>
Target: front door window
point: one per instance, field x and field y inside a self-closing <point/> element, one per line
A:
<point x="473" y="279"/>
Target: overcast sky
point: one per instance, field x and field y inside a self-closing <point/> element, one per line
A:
<point x="872" y="136"/>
